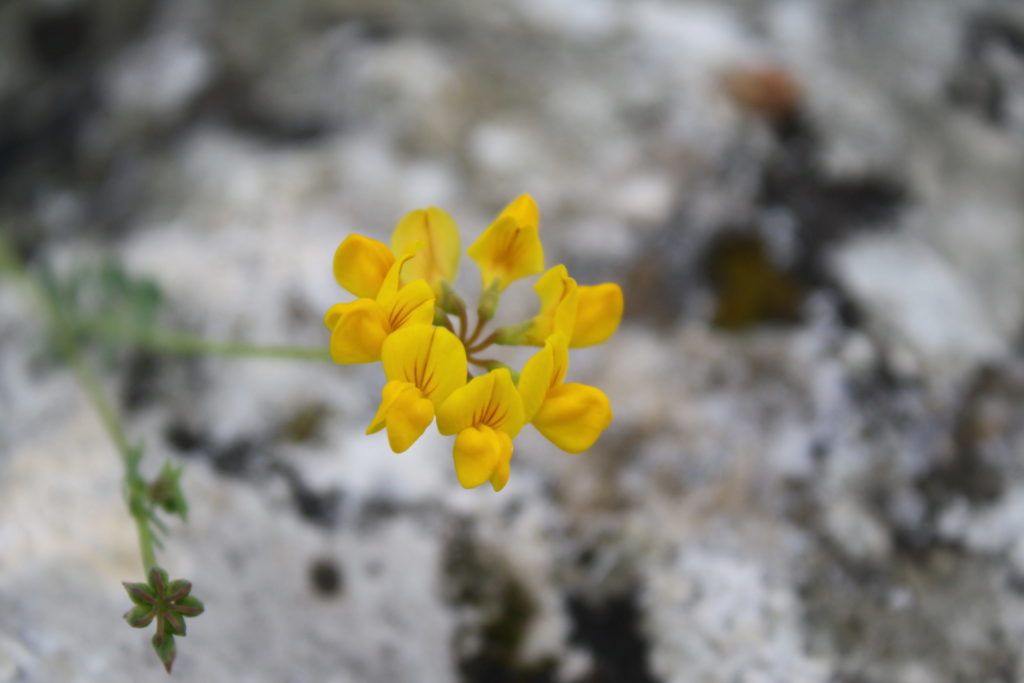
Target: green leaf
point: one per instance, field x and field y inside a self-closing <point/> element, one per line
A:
<point x="166" y="493"/>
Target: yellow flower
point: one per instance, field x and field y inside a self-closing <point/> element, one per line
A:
<point x="402" y="317"/>
<point x="510" y="248"/>
<point x="423" y="365"/>
<point x="359" y="328"/>
<point x="485" y="414"/>
<point x="438" y="260"/>
<point x="361" y="264"/>
<point x="598" y="313"/>
<point x="559" y="300"/>
<point x="586" y="315"/>
<point x="571" y="416"/>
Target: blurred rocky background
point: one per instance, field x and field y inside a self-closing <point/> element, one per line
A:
<point x="816" y="211"/>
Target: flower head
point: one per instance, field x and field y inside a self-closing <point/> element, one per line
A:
<point x="586" y="315"/>
<point x="510" y="248"/>
<point x="423" y="365"/>
<point x="559" y="301"/>
<point x="597" y="314"/>
<point x="361" y="264"/>
<point x="359" y="328"/>
<point x="571" y="416"/>
<point x="486" y="415"/>
<point x="438" y="259"/>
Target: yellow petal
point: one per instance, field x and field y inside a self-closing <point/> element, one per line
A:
<point x="573" y="416"/>
<point x="482" y="454"/>
<point x="413" y="304"/>
<point x="360" y="265"/>
<point x="438" y="259"/>
<point x="598" y="314"/>
<point x="332" y="315"/>
<point x="358" y="330"/>
<point x="393" y="278"/>
<point x="558" y="295"/>
<point x="535" y="381"/>
<point x="510" y="248"/>
<point x="523" y="209"/>
<point x="560" y="354"/>
<point x="490" y="399"/>
<point x="405" y="412"/>
<point x="429" y="358"/>
<point x="543" y="372"/>
<point x="501" y="472"/>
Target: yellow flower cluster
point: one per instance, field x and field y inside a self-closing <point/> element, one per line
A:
<point x="403" y="318"/>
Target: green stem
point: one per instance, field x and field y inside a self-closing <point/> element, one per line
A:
<point x="480" y="322"/>
<point x="483" y="344"/>
<point x="93" y="389"/>
<point x="166" y="341"/>
<point x="146" y="549"/>
<point x="463" y="323"/>
<point x="90" y="384"/>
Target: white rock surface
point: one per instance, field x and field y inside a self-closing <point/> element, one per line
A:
<point x="836" y="498"/>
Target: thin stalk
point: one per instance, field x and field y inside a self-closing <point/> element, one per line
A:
<point x="463" y="323"/>
<point x="167" y="341"/>
<point x="483" y="344"/>
<point x="164" y="341"/>
<point x="90" y="384"/>
<point x="480" y="322"/>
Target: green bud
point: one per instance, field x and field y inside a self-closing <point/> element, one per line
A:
<point x="513" y="335"/>
<point x="439" y="316"/>
<point x="449" y="301"/>
<point x="489" y="299"/>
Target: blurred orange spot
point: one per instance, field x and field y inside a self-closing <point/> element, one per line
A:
<point x="769" y="91"/>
